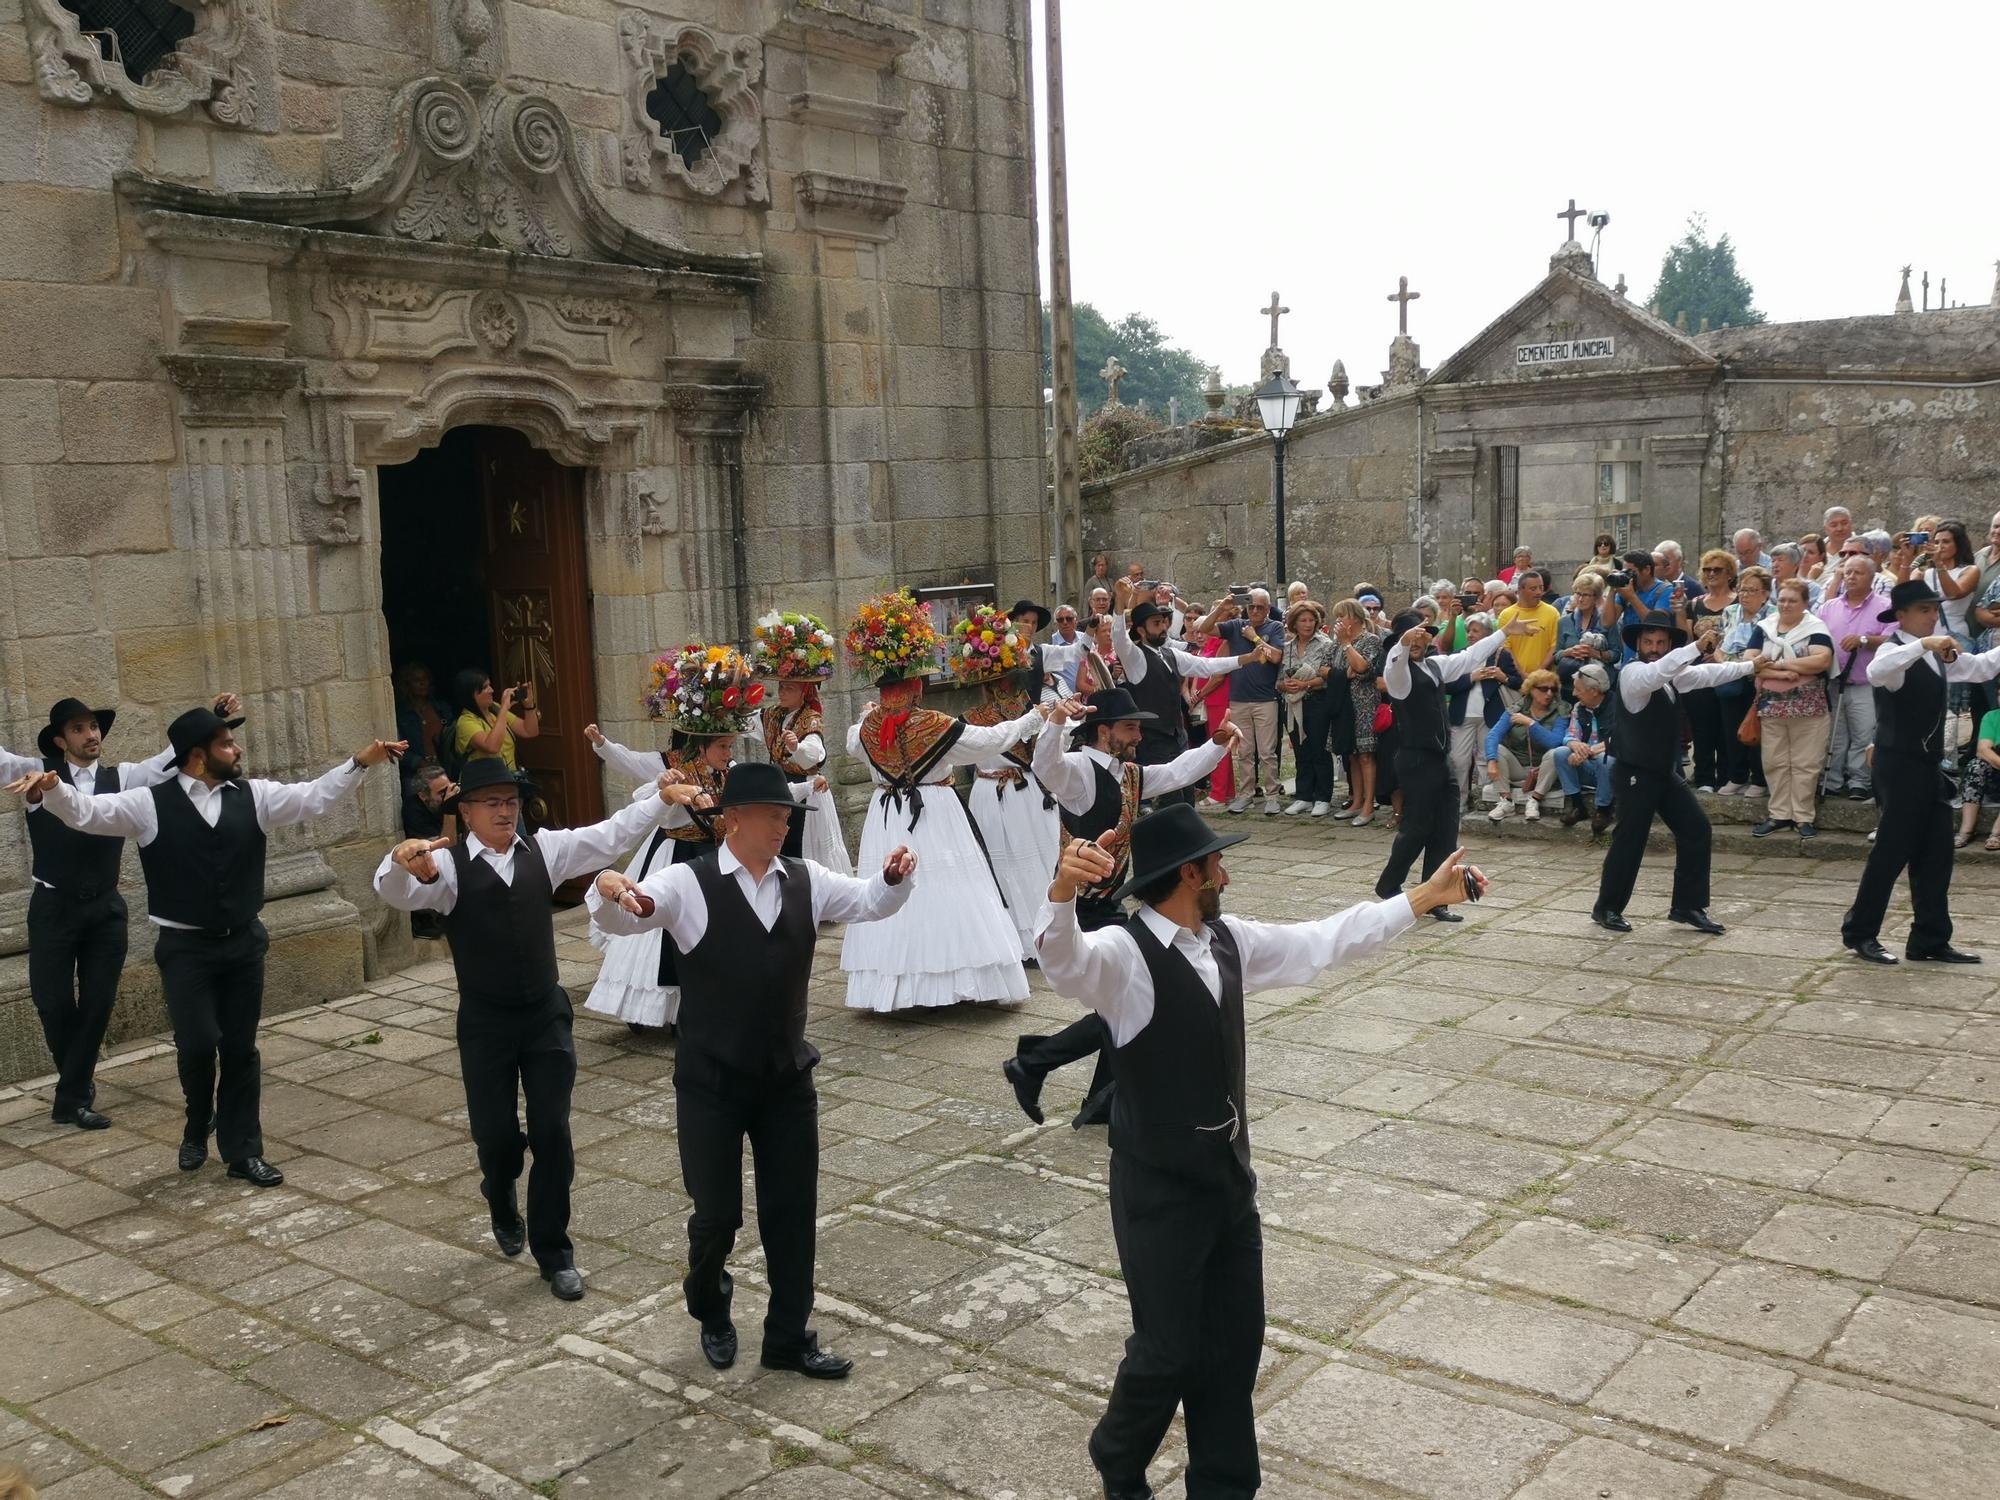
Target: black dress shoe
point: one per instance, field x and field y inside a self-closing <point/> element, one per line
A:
<point x="1945" y="955"/>
<point x="812" y="1362"/>
<point x="1609" y="920"/>
<point x="511" y="1238"/>
<point x="718" y="1346"/>
<point x="1027" y="1088"/>
<point x="1445" y="914"/>
<point x="1144" y="1492"/>
<point x="83" y="1117"/>
<point x="193" y="1154"/>
<point x="1695" y="917"/>
<point x="1870" y="951"/>
<point x="566" y="1283"/>
<point x="256" y="1171"/>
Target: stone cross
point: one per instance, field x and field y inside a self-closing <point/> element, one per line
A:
<point x="1403" y="297"/>
<point x="1275" y="312"/>
<point x="1111" y="374"/>
<point x="1572" y="214"/>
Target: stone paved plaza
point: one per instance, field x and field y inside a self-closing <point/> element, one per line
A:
<point x="1549" y="1215"/>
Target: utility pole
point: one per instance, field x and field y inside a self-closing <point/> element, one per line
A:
<point x="1062" y="335"/>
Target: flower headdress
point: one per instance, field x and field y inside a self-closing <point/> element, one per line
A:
<point x="891" y="638"/>
<point x="985" y="645"/>
<point x="704" y="689"/>
<point x="793" y="647"/>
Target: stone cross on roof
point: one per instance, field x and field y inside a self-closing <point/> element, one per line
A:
<point x="1111" y="374"/>
<point x="1572" y="214"/>
<point x="1275" y="312"/>
<point x="1403" y="297"/>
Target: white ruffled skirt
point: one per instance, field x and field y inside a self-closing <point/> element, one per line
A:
<point x="952" y="941"/>
<point x="1024" y="839"/>
<point x="822" y="842"/>
<point x="628" y="984"/>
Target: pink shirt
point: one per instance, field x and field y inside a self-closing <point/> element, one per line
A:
<point x="1842" y="620"/>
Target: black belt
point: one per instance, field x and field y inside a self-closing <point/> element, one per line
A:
<point x="78" y="893"/>
<point x="208" y="932"/>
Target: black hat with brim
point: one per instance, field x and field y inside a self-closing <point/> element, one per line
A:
<point x="195" y="730"/>
<point x="1148" y="610"/>
<point x="65" y="713"/>
<point x="1041" y="612"/>
<point x="756" y="783"/>
<point x="1908" y="596"/>
<point x="487" y="771"/>
<point x="1407" y="621"/>
<point x="1163" y="841"/>
<point x="1108" y="706"/>
<point x="1657" y="619"/>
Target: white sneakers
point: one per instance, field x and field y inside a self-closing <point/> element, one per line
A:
<point x="1271" y="808"/>
<point x="1499" y="810"/>
<point x="1296" y="808"/>
<point x="1534" y="809"/>
<point x="1321" y="809"/>
<point x="1241" y="804"/>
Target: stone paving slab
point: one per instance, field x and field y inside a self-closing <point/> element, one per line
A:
<point x="1700" y="1218"/>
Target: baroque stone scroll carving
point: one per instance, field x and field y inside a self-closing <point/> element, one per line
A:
<point x="207" y="69"/>
<point x="727" y="69"/>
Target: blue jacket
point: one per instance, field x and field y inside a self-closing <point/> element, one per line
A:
<point x="1456" y="693"/>
<point x="1543" y="737"/>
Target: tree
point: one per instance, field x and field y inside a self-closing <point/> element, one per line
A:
<point x="1155" y="372"/>
<point x="1699" y="277"/>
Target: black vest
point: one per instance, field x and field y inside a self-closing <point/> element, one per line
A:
<point x="82" y="865"/>
<point x="1421" y="715"/>
<point x="1649" y="738"/>
<point x="1909" y="720"/>
<point x="743" y="989"/>
<point x="502" y="935"/>
<point x="212" y="878"/>
<point x="1180" y="1104"/>
<point x="1163" y="736"/>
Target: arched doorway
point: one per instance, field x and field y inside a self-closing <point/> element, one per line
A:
<point x="483" y="568"/>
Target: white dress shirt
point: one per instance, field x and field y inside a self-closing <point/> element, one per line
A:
<point x="132" y="774"/>
<point x="1901" y="651"/>
<point x="568" y="852"/>
<point x="1678" y="672"/>
<point x="1105" y="970"/>
<point x="680" y="908"/>
<point x="1067" y="776"/>
<point x="131" y="814"/>
<point x="640" y="765"/>
<point x="1132" y="657"/>
<point x="1448" y="667"/>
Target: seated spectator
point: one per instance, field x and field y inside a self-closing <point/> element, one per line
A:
<point x="1742" y="768"/>
<point x="1794" y="652"/>
<point x="423" y="802"/>
<point x="1981" y="785"/>
<point x="1474" y="703"/>
<point x="1584" y="763"/>
<point x="1704" y="706"/>
<point x="1517" y="761"/>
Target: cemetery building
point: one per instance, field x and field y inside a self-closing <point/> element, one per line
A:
<point x="1577" y="411"/>
<point x="533" y="335"/>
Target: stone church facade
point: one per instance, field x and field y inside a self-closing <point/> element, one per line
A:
<point x="1577" y="411"/>
<point x="614" y="323"/>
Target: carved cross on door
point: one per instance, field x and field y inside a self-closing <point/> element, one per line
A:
<point x="1275" y="312"/>
<point x="1572" y="214"/>
<point x="1403" y="297"/>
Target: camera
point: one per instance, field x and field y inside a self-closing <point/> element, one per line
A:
<point x="1468" y="601"/>
<point x="1619" y="579"/>
<point x="1239" y="593"/>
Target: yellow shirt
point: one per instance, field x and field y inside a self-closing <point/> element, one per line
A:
<point x="1536" y="649"/>
<point x="470" y="724"/>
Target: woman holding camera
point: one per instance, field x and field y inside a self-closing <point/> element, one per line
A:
<point x="489" y="724"/>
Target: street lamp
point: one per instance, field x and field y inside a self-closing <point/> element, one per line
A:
<point x="1278" y="404"/>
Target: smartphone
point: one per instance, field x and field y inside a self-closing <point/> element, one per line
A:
<point x="1468" y="601"/>
<point x="1918" y="538"/>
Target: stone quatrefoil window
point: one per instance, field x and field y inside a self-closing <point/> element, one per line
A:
<point x="135" y="35"/>
<point x="693" y="112"/>
<point x="686" y="119"/>
<point x="159" y="57"/>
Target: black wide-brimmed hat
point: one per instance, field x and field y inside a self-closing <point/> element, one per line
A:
<point x="1148" y="610"/>
<point x="485" y="771"/>
<point x="1407" y="621"/>
<point x="60" y="716"/>
<point x="1041" y="612"/>
<point x="756" y="783"/>
<point x="1109" y="705"/>
<point x="1908" y="596"/>
<point x="1163" y="841"/>
<point x="1657" y="619"/>
<point x="195" y="730"/>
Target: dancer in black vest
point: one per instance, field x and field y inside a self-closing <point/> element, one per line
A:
<point x="1416" y="678"/>
<point x="201" y="837"/>
<point x="1646" y="779"/>
<point x="76" y="918"/>
<point x="496" y="892"/>
<point x="1154" y="670"/>
<point x="1099" y="788"/>
<point x="746" y="922"/>
<point x="1911" y="676"/>
<point x="1170" y="984"/>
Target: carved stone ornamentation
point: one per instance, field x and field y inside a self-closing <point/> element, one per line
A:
<point x="494" y="320"/>
<point x="727" y="69"/>
<point x="207" y="69"/>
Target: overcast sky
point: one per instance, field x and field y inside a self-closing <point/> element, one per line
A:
<point x="1217" y="151"/>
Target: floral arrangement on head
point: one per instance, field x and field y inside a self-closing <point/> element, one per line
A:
<point x="986" y="644"/>
<point x="892" y="637"/>
<point x="704" y="689"/>
<point x="794" y="647"/>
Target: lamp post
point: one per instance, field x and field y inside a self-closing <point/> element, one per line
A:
<point x="1278" y="404"/>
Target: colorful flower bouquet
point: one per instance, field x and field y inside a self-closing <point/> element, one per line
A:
<point x="985" y="645"/>
<point x="793" y="647"/>
<point x="704" y="689"/>
<point x="892" y="638"/>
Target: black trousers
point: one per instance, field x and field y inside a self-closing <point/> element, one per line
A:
<point x="76" y="951"/>
<point x="1430" y="818"/>
<point x="1740" y="763"/>
<point x="715" y="1107"/>
<point x="1042" y="1055"/>
<point x="1914" y="833"/>
<point x="506" y="1053"/>
<point x="1705" y="726"/>
<point x="1312" y="749"/>
<point x="215" y="997"/>
<point x="1193" y="1258"/>
<point x="1640" y="794"/>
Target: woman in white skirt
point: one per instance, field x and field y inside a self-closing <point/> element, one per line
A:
<point x="1015" y="815"/>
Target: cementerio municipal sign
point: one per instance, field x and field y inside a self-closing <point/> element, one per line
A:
<point x="1563" y="351"/>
